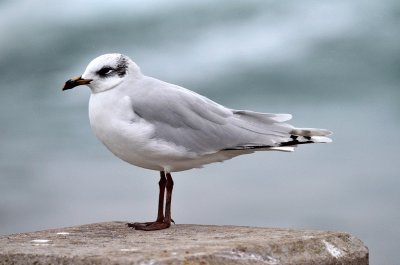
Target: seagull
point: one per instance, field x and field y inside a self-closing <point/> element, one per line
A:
<point x="160" y="126"/>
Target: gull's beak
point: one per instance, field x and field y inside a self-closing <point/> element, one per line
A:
<point x="76" y="81"/>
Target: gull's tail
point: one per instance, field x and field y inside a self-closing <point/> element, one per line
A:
<point x="304" y="136"/>
<point x="307" y="136"/>
<point x="311" y="134"/>
<point x="270" y="132"/>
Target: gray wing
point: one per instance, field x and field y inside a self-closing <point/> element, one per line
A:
<point x="200" y="125"/>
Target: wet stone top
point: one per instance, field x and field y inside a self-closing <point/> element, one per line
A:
<point x="115" y="243"/>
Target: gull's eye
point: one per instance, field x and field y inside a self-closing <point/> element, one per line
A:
<point x="105" y="71"/>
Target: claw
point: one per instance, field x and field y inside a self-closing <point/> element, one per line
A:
<point x="149" y="226"/>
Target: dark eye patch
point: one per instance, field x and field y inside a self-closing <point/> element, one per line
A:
<point x="105" y="71"/>
<point x="122" y="66"/>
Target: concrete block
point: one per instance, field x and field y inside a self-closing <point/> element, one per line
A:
<point x="115" y="243"/>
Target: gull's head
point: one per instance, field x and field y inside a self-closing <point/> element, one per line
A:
<point x="105" y="72"/>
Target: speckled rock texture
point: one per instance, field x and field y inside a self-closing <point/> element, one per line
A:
<point x="115" y="243"/>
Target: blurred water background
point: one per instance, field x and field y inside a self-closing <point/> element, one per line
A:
<point x="333" y="64"/>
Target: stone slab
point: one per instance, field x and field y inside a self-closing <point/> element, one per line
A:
<point x="115" y="243"/>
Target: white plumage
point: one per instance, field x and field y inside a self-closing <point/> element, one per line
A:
<point x="156" y="125"/>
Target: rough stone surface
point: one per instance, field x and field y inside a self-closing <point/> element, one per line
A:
<point x="115" y="243"/>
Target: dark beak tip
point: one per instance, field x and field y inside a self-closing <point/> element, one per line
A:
<point x="67" y="85"/>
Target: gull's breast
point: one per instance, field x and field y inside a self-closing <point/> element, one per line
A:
<point x="130" y="137"/>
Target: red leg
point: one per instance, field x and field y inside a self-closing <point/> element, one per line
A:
<point x="167" y="220"/>
<point x="169" y="187"/>
<point x="160" y="214"/>
<point x="162" y="183"/>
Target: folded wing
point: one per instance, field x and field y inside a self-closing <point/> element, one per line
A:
<point x="200" y="125"/>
